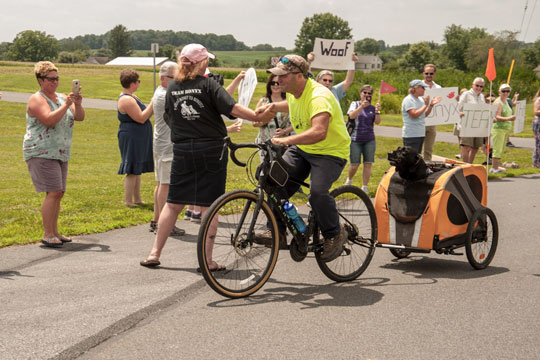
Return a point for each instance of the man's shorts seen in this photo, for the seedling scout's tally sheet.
(163, 164)
(474, 142)
(48, 175)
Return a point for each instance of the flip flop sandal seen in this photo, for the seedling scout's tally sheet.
(219, 268)
(65, 239)
(49, 242)
(150, 263)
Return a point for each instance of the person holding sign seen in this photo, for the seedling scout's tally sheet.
(536, 130)
(364, 115)
(502, 127)
(414, 109)
(326, 78)
(431, 131)
(469, 145)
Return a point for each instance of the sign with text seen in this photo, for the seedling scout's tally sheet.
(333, 54)
(478, 120)
(247, 87)
(446, 111)
(519, 123)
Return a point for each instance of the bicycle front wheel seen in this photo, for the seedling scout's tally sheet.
(357, 214)
(248, 262)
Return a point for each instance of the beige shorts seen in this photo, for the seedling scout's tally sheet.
(163, 163)
(474, 142)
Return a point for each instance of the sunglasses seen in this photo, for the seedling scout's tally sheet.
(505, 91)
(429, 73)
(286, 60)
(272, 83)
(51, 78)
(169, 76)
(327, 80)
(367, 93)
(480, 86)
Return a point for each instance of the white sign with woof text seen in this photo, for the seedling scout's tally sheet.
(519, 123)
(446, 111)
(477, 120)
(333, 54)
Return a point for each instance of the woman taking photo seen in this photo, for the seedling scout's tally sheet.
(47, 145)
(193, 108)
(134, 137)
(280, 122)
(364, 116)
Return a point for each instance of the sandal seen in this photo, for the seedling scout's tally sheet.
(64, 239)
(52, 242)
(150, 263)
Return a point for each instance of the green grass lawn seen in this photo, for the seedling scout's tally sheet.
(94, 198)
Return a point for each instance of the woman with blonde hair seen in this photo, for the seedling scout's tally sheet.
(193, 108)
(47, 145)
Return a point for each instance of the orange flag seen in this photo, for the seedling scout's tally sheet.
(386, 88)
(491, 73)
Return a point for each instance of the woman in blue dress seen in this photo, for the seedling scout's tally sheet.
(134, 137)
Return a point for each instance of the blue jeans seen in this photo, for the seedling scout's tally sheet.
(325, 170)
(414, 142)
(362, 148)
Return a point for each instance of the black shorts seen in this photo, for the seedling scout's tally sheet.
(198, 175)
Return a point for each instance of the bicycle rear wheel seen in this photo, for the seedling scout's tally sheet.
(248, 265)
(357, 214)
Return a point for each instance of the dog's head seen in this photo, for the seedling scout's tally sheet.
(409, 164)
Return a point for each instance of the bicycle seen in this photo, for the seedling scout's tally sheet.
(237, 216)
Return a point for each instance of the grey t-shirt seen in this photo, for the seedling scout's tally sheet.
(162, 133)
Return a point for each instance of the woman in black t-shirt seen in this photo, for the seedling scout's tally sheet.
(193, 108)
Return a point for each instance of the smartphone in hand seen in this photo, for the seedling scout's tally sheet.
(76, 87)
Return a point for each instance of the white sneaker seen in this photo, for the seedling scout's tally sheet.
(348, 182)
(365, 189)
(495, 171)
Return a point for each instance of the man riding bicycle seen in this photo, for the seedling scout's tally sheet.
(320, 147)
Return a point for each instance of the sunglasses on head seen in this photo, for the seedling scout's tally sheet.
(272, 83)
(286, 60)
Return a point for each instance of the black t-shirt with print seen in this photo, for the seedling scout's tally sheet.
(193, 108)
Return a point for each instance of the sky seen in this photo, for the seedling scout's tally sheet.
(276, 22)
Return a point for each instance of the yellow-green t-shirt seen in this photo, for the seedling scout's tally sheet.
(318, 99)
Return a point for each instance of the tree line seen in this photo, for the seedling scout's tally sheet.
(462, 49)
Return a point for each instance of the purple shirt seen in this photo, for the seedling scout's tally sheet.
(363, 127)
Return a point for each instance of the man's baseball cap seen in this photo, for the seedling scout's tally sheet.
(418, 83)
(196, 53)
(290, 64)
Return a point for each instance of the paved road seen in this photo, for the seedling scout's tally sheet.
(91, 300)
(385, 131)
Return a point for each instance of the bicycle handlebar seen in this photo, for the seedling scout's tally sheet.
(277, 151)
